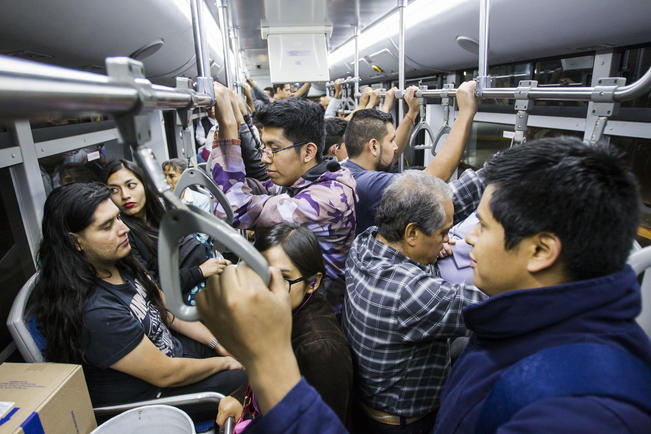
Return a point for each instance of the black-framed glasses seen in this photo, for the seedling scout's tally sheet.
(293, 281)
(270, 152)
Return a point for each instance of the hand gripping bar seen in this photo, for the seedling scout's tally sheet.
(187, 219)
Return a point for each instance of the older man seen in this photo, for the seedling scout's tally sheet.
(399, 315)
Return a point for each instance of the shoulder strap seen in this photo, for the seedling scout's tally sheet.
(578, 369)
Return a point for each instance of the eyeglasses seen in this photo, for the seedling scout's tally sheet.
(269, 152)
(291, 282)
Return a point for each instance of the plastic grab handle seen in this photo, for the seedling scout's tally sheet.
(195, 176)
(185, 220)
(434, 138)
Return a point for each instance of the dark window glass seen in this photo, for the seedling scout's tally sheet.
(16, 264)
(638, 155)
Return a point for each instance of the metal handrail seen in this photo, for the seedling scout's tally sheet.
(29, 89)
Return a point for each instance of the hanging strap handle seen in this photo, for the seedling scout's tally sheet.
(195, 176)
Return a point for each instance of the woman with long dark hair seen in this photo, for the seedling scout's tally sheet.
(142, 212)
(95, 306)
(320, 346)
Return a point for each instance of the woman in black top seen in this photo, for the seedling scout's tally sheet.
(95, 306)
(142, 212)
(320, 346)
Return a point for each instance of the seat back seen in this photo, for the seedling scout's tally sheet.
(17, 323)
(640, 261)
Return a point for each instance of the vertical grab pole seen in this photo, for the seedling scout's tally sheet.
(223, 26)
(204, 80)
(401, 68)
(235, 37)
(483, 80)
(356, 52)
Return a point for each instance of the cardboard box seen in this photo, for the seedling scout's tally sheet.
(47, 398)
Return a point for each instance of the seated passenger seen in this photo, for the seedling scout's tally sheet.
(142, 212)
(95, 306)
(399, 315)
(318, 342)
(373, 145)
(334, 139)
(303, 189)
(173, 169)
(553, 259)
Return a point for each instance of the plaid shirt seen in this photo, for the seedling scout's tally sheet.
(466, 193)
(398, 317)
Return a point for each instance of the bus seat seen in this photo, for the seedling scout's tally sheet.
(640, 261)
(29, 342)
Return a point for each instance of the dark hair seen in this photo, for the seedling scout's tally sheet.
(277, 86)
(298, 242)
(269, 89)
(412, 197)
(365, 125)
(76, 172)
(300, 119)
(67, 280)
(335, 129)
(148, 230)
(153, 207)
(583, 194)
(177, 164)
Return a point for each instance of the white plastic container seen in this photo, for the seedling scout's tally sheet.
(151, 419)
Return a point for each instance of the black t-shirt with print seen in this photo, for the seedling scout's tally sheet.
(116, 317)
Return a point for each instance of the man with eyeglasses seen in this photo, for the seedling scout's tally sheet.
(303, 188)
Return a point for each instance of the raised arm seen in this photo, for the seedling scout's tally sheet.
(407, 124)
(303, 90)
(447, 159)
(389, 99)
(374, 99)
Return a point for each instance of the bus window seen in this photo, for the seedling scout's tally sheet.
(638, 154)
(16, 264)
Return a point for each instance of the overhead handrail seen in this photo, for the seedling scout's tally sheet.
(195, 176)
(424, 125)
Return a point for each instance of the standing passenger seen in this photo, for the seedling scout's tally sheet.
(303, 189)
(556, 347)
(318, 342)
(399, 314)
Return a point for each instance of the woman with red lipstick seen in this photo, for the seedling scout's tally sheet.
(94, 305)
(142, 212)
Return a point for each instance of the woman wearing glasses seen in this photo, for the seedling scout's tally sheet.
(320, 346)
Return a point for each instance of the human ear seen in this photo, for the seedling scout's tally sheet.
(74, 240)
(310, 152)
(543, 249)
(372, 146)
(411, 234)
(314, 283)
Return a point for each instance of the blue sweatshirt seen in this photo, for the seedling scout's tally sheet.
(301, 411)
(514, 325)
